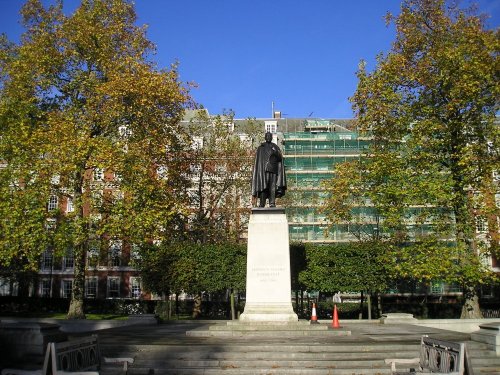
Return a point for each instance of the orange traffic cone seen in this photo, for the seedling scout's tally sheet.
(335, 321)
(314, 318)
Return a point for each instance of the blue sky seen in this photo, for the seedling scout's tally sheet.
(244, 55)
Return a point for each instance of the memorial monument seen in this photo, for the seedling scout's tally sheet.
(268, 286)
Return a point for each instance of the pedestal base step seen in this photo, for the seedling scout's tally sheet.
(269, 329)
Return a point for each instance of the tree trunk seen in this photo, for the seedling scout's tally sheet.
(197, 306)
(369, 303)
(470, 308)
(465, 233)
(379, 304)
(361, 307)
(76, 306)
(231, 297)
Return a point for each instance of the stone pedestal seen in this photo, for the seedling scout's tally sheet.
(268, 289)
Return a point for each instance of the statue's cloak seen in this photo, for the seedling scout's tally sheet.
(259, 173)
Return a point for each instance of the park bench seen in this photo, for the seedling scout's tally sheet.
(437, 357)
(79, 356)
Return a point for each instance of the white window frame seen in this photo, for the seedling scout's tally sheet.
(93, 253)
(115, 253)
(271, 126)
(53, 203)
(69, 205)
(197, 143)
(98, 174)
(68, 262)
(46, 263)
(64, 289)
(481, 224)
(111, 282)
(135, 287)
(4, 286)
(91, 282)
(45, 288)
(124, 131)
(55, 179)
(135, 253)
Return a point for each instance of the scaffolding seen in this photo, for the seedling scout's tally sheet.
(311, 157)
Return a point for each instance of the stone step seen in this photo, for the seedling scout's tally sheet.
(298, 323)
(269, 327)
(263, 363)
(248, 371)
(266, 333)
(337, 358)
(264, 348)
(486, 361)
(263, 356)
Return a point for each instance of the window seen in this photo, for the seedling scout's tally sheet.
(496, 175)
(135, 252)
(93, 253)
(55, 180)
(98, 174)
(51, 224)
(66, 288)
(162, 171)
(345, 136)
(115, 252)
(46, 260)
(69, 205)
(124, 131)
(113, 287)
(271, 126)
(4, 286)
(197, 143)
(53, 202)
(68, 260)
(45, 288)
(8, 288)
(481, 224)
(91, 287)
(135, 287)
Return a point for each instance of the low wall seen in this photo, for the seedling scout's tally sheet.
(83, 325)
(457, 325)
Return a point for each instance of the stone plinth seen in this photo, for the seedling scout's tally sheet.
(268, 289)
(397, 318)
(488, 333)
(28, 340)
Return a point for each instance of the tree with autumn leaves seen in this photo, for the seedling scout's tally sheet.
(80, 97)
(430, 108)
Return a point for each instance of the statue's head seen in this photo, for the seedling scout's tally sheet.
(268, 137)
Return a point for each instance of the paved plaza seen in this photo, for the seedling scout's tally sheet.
(179, 348)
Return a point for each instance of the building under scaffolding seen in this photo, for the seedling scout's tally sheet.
(311, 155)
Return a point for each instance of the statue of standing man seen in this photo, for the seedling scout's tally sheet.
(268, 179)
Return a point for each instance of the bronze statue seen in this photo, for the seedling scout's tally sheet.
(268, 179)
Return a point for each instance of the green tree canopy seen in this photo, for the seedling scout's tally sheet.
(356, 266)
(430, 106)
(193, 268)
(86, 116)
